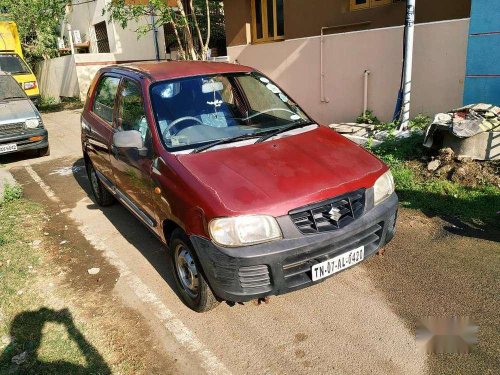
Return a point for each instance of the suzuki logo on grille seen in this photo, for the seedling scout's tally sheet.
(335, 214)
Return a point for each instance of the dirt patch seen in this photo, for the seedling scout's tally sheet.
(465, 171)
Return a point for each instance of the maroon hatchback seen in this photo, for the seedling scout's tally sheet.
(252, 197)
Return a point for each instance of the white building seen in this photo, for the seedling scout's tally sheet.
(92, 41)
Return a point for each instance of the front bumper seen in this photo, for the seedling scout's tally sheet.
(23, 142)
(247, 273)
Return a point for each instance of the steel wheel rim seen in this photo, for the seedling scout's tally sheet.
(94, 182)
(187, 272)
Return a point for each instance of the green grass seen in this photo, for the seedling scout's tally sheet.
(11, 193)
(50, 104)
(29, 323)
(434, 195)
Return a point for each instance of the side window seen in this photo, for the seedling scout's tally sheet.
(131, 114)
(104, 101)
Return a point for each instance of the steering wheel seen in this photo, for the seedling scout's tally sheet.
(180, 119)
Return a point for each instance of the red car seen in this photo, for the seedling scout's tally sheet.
(252, 197)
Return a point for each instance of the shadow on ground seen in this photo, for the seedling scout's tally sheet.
(21, 355)
(18, 156)
(131, 229)
(484, 207)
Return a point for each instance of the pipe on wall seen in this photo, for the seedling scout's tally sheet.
(408, 64)
(322, 65)
(366, 75)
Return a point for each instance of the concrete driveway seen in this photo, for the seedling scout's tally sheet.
(357, 322)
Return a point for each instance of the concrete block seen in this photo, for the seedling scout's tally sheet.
(483, 146)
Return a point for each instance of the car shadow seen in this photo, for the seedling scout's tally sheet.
(426, 201)
(26, 332)
(18, 156)
(134, 231)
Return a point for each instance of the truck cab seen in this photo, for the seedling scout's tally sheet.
(12, 60)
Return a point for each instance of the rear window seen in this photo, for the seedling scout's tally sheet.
(10, 89)
(13, 64)
(104, 101)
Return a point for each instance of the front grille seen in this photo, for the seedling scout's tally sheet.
(12, 129)
(254, 277)
(331, 214)
(297, 268)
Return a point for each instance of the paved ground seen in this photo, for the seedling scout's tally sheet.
(358, 322)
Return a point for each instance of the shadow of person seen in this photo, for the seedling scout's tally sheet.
(21, 355)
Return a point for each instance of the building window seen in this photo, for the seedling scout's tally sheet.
(366, 4)
(268, 23)
(101, 35)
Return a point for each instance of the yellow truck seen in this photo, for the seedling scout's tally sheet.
(12, 60)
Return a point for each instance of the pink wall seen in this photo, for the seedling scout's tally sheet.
(439, 69)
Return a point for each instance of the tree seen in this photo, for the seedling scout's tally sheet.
(188, 31)
(37, 22)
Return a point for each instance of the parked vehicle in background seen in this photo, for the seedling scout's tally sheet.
(252, 197)
(12, 60)
(21, 126)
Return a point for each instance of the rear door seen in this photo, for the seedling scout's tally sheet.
(132, 167)
(97, 124)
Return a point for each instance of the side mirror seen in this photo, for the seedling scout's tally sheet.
(128, 139)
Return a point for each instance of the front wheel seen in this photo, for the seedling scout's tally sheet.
(191, 284)
(102, 196)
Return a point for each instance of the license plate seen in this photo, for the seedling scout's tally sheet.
(8, 148)
(339, 263)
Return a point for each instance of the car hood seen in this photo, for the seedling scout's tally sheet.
(16, 111)
(279, 175)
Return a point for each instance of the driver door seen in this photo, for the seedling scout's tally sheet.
(132, 167)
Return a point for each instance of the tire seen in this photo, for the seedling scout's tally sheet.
(43, 151)
(191, 284)
(101, 195)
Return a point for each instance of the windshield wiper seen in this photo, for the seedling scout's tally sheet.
(283, 130)
(223, 141)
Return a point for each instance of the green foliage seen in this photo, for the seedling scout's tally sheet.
(420, 122)
(50, 104)
(368, 118)
(48, 101)
(191, 31)
(396, 150)
(11, 193)
(37, 22)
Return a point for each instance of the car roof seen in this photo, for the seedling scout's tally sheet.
(165, 70)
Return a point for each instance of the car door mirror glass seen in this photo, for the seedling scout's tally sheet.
(128, 139)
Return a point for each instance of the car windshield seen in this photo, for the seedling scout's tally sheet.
(13, 64)
(10, 89)
(196, 111)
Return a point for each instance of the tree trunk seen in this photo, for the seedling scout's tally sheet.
(182, 52)
(187, 32)
(198, 31)
(207, 43)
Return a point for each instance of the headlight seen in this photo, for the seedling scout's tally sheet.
(244, 230)
(383, 188)
(29, 85)
(32, 123)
